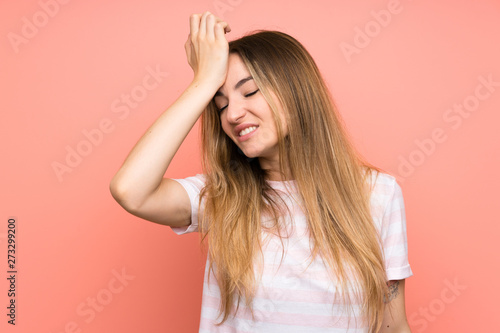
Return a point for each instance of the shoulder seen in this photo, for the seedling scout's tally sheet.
(384, 191)
(382, 183)
(196, 182)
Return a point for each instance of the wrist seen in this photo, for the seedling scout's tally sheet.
(211, 85)
(200, 92)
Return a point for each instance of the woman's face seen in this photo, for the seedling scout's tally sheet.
(245, 115)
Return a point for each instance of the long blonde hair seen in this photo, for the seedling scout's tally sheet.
(330, 176)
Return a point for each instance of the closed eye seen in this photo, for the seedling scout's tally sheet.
(252, 93)
(247, 95)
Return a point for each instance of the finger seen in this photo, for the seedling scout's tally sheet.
(194, 24)
(203, 24)
(227, 28)
(187, 45)
(211, 21)
(220, 29)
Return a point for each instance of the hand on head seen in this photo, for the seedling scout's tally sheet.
(207, 48)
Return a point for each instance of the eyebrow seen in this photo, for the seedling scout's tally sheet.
(239, 84)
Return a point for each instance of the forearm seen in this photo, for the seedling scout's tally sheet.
(395, 311)
(144, 167)
(403, 328)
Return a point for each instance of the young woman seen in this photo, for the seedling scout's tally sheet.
(303, 234)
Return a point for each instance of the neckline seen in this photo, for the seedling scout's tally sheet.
(280, 181)
(282, 184)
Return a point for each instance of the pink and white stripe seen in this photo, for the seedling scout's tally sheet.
(297, 295)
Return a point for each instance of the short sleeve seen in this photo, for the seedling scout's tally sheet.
(193, 186)
(393, 233)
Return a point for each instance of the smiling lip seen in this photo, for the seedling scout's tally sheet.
(237, 130)
(245, 136)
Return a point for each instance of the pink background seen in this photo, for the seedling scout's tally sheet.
(65, 69)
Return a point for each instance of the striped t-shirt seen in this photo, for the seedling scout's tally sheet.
(295, 295)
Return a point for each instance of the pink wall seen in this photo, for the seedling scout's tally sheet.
(399, 80)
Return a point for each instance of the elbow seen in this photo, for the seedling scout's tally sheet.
(115, 189)
(123, 195)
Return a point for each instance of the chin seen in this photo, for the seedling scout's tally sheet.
(251, 153)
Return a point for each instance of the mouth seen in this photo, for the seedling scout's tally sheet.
(247, 133)
(247, 130)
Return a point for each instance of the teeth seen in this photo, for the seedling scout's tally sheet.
(248, 130)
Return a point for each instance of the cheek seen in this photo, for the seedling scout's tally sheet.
(283, 120)
(273, 126)
(225, 126)
(285, 126)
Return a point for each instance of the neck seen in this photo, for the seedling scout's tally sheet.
(273, 169)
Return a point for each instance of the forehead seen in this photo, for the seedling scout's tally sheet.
(235, 63)
(237, 75)
(236, 70)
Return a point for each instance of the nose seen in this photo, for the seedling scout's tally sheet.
(235, 111)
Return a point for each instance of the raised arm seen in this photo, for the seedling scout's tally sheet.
(139, 186)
